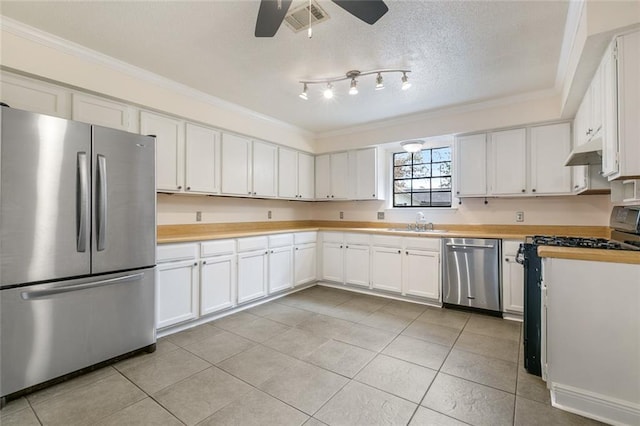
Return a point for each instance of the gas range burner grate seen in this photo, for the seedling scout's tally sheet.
(595, 243)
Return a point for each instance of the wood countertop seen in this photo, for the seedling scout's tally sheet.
(213, 231)
(597, 255)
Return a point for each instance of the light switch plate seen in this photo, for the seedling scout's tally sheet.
(269, 214)
(198, 216)
(519, 216)
(380, 215)
(341, 215)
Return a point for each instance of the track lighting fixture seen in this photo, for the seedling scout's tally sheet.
(353, 90)
(328, 92)
(353, 87)
(379, 83)
(405, 81)
(303, 95)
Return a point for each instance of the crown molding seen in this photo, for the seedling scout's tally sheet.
(435, 113)
(574, 15)
(60, 44)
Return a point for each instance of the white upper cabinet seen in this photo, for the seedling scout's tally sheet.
(332, 176)
(295, 174)
(509, 153)
(103, 112)
(550, 146)
(471, 165)
(623, 161)
(202, 156)
(235, 165)
(35, 96)
(169, 134)
(367, 170)
(264, 169)
(609, 113)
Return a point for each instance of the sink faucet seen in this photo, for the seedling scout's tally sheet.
(420, 222)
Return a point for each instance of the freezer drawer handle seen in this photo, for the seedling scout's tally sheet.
(101, 200)
(39, 294)
(82, 202)
(483, 246)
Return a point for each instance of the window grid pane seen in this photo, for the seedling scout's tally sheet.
(422, 179)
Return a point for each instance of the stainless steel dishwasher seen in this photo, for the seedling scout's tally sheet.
(471, 273)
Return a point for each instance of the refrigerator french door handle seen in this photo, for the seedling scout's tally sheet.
(101, 201)
(82, 201)
(39, 294)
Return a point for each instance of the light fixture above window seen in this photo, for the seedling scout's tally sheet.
(412, 146)
(353, 87)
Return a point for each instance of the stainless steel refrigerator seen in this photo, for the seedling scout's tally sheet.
(77, 247)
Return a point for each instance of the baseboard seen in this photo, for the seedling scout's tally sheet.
(595, 406)
(380, 293)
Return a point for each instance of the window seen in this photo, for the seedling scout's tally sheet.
(422, 179)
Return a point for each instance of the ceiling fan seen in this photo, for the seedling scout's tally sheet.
(272, 13)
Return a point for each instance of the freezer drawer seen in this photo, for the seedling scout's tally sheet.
(53, 329)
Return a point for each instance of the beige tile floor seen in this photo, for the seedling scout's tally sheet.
(320, 356)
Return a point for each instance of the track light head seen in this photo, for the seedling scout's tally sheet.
(379, 83)
(405, 81)
(328, 92)
(303, 95)
(353, 90)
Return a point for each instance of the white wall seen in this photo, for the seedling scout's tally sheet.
(590, 210)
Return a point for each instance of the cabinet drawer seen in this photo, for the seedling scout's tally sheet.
(360, 239)
(217, 248)
(332, 237)
(173, 252)
(251, 244)
(305, 237)
(510, 247)
(280, 240)
(384, 241)
(422, 243)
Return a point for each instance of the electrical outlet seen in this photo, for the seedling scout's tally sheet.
(269, 214)
(341, 215)
(198, 216)
(380, 215)
(519, 216)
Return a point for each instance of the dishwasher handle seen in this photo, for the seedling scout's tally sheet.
(482, 246)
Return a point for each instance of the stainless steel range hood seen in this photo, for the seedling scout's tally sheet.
(589, 153)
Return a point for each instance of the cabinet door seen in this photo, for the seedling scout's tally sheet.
(202, 148)
(265, 169)
(595, 123)
(176, 293)
(386, 268)
(332, 262)
(252, 275)
(509, 168)
(421, 273)
(287, 173)
(235, 154)
(340, 176)
(103, 112)
(610, 148)
(217, 284)
(550, 147)
(280, 269)
(356, 265)
(35, 96)
(512, 285)
(169, 149)
(366, 161)
(306, 176)
(304, 263)
(471, 165)
(580, 173)
(323, 176)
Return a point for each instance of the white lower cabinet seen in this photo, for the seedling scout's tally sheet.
(332, 261)
(386, 268)
(177, 284)
(421, 273)
(217, 283)
(281, 267)
(252, 275)
(304, 261)
(512, 279)
(356, 265)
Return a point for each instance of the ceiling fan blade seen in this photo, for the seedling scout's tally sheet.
(368, 11)
(270, 17)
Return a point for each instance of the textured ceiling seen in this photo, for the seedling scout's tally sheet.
(459, 52)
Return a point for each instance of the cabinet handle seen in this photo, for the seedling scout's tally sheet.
(204, 262)
(399, 251)
(340, 246)
(332, 196)
(346, 246)
(457, 192)
(297, 248)
(254, 193)
(188, 188)
(533, 190)
(271, 251)
(576, 186)
(195, 263)
(249, 192)
(179, 186)
(506, 259)
(373, 195)
(407, 253)
(523, 190)
(327, 196)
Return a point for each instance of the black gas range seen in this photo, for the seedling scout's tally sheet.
(625, 235)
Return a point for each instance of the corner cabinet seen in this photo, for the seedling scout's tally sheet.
(305, 257)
